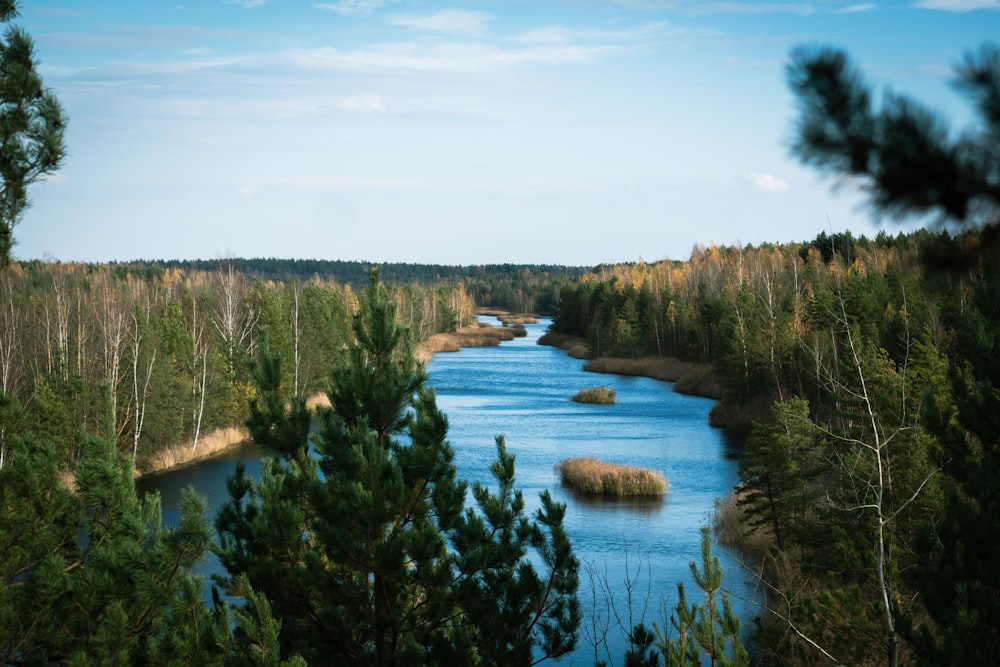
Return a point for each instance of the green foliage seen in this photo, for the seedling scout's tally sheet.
(89, 575)
(32, 125)
(708, 631)
(904, 150)
(778, 469)
(359, 536)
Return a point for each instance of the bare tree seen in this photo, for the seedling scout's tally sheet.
(233, 316)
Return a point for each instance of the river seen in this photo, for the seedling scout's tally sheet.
(523, 390)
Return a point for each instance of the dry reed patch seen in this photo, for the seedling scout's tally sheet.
(595, 477)
(481, 335)
(319, 400)
(509, 320)
(595, 395)
(733, 527)
(574, 346)
(182, 454)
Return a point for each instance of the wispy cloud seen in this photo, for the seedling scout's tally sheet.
(960, 5)
(352, 7)
(249, 4)
(558, 34)
(766, 182)
(449, 57)
(698, 7)
(362, 104)
(447, 22)
(856, 9)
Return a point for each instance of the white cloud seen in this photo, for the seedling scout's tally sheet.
(855, 9)
(352, 7)
(959, 5)
(449, 22)
(558, 34)
(362, 103)
(249, 4)
(766, 182)
(449, 57)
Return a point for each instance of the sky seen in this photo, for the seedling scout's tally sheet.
(572, 132)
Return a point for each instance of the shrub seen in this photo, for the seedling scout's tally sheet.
(593, 476)
(598, 395)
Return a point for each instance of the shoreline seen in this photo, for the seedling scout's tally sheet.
(687, 377)
(223, 439)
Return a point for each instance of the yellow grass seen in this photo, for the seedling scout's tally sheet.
(474, 336)
(734, 530)
(593, 476)
(209, 445)
(575, 346)
(598, 395)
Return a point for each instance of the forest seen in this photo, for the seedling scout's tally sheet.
(864, 378)
(172, 347)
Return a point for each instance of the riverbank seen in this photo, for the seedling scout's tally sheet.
(214, 443)
(687, 378)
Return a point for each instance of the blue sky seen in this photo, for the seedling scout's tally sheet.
(574, 132)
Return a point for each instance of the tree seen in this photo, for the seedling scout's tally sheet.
(32, 124)
(902, 151)
(776, 469)
(705, 633)
(89, 575)
(360, 537)
(913, 167)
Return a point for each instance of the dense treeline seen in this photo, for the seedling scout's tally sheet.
(869, 480)
(173, 348)
(520, 288)
(762, 315)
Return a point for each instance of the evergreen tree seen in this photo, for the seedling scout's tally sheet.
(360, 538)
(902, 150)
(777, 469)
(32, 124)
(705, 633)
(914, 167)
(88, 575)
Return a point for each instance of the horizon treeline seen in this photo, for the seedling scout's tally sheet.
(520, 288)
(173, 347)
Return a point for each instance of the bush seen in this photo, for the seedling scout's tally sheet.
(593, 476)
(598, 395)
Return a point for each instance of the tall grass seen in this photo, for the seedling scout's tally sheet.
(689, 378)
(182, 454)
(593, 476)
(734, 530)
(574, 346)
(597, 395)
(474, 336)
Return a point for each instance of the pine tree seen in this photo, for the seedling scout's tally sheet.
(914, 166)
(88, 575)
(359, 535)
(705, 633)
(32, 124)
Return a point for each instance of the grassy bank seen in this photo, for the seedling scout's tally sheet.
(688, 378)
(214, 443)
(182, 454)
(480, 335)
(595, 477)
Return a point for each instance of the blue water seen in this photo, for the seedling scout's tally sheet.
(630, 548)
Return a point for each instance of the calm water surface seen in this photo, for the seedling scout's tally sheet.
(522, 390)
